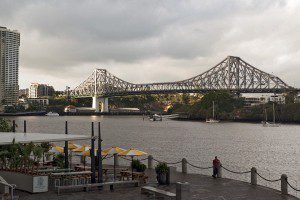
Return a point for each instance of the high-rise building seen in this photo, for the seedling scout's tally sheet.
(9, 66)
(37, 90)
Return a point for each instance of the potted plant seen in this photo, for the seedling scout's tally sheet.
(161, 173)
(138, 166)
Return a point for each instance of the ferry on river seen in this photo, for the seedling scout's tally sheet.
(52, 114)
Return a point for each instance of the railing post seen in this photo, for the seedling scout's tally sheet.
(116, 159)
(284, 185)
(219, 175)
(14, 126)
(253, 176)
(184, 165)
(182, 191)
(25, 126)
(150, 162)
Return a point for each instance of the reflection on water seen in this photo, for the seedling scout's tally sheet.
(239, 145)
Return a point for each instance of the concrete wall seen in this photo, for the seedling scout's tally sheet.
(29, 183)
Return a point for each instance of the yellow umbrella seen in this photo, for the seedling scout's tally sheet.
(82, 148)
(56, 149)
(88, 153)
(132, 152)
(72, 146)
(113, 150)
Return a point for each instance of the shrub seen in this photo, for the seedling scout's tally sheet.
(161, 168)
(4, 125)
(138, 166)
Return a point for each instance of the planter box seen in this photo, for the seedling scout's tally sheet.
(26, 182)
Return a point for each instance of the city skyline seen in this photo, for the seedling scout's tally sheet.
(151, 42)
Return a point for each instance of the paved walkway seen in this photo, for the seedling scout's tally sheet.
(202, 187)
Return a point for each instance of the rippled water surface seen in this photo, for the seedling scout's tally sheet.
(240, 146)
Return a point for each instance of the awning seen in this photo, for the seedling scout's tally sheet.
(23, 138)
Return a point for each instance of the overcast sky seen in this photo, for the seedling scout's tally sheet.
(151, 41)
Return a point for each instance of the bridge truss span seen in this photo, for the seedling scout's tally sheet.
(231, 74)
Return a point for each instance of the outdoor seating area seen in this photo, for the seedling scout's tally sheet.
(40, 162)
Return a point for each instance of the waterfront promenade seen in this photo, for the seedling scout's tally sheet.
(201, 187)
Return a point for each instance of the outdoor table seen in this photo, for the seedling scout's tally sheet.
(81, 168)
(135, 175)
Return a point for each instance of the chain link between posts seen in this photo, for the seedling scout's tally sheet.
(297, 190)
(269, 180)
(234, 172)
(198, 167)
(168, 163)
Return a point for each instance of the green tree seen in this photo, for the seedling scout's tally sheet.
(4, 125)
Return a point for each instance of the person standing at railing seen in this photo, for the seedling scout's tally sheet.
(216, 167)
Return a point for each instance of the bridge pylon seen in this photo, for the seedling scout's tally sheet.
(104, 104)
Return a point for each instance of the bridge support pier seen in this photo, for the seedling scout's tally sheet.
(104, 104)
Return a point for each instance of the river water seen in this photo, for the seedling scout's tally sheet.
(239, 146)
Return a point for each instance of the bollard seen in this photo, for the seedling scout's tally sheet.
(14, 126)
(219, 175)
(184, 166)
(116, 159)
(25, 126)
(150, 162)
(253, 176)
(284, 185)
(182, 191)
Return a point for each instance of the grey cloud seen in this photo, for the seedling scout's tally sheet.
(145, 41)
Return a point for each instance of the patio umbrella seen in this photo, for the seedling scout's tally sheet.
(88, 153)
(132, 152)
(80, 151)
(72, 146)
(82, 148)
(112, 151)
(57, 150)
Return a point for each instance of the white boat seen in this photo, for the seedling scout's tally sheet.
(155, 117)
(213, 120)
(52, 114)
(270, 124)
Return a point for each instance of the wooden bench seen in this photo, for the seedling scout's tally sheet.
(158, 192)
(86, 187)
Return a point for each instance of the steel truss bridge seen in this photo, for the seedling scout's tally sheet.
(231, 74)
